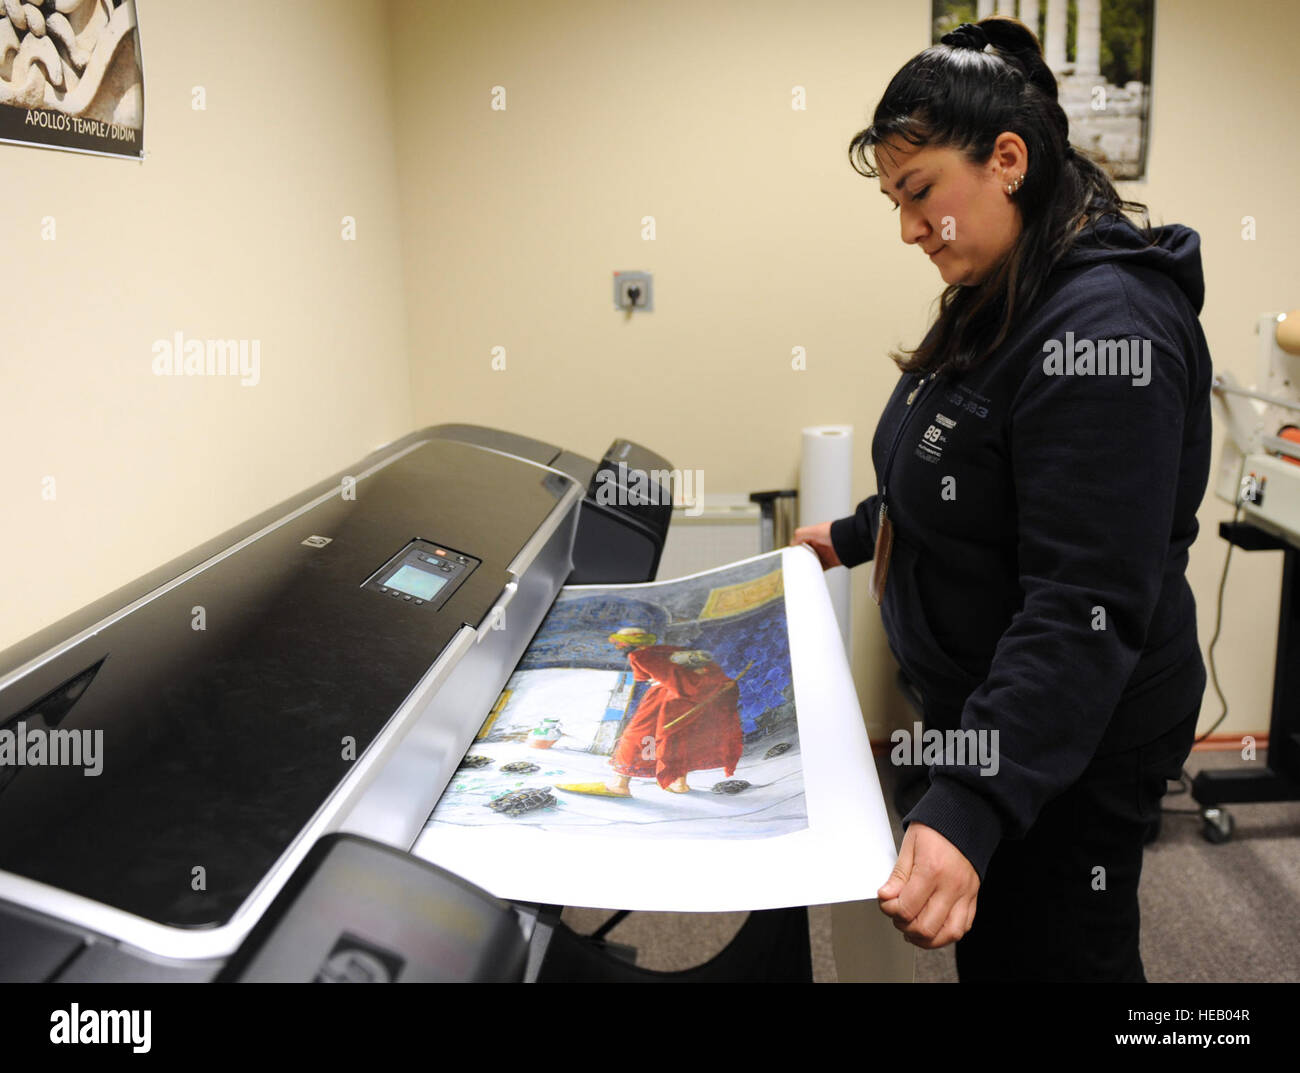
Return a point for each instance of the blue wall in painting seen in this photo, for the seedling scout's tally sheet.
(575, 634)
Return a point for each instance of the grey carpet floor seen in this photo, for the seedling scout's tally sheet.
(1227, 913)
(1210, 913)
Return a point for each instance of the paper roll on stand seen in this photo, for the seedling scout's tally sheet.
(826, 493)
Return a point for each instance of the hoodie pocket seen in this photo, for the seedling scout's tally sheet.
(907, 624)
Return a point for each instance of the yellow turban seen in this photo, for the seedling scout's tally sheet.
(632, 635)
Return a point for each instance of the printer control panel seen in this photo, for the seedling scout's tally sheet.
(422, 574)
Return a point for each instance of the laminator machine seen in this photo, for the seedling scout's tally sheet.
(274, 716)
(1259, 475)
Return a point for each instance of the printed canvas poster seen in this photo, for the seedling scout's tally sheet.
(685, 745)
(662, 713)
(71, 76)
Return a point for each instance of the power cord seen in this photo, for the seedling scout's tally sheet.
(1185, 779)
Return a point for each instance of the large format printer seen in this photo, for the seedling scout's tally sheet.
(274, 716)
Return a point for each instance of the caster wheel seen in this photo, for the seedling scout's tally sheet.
(1216, 825)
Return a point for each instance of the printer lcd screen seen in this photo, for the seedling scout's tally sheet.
(421, 584)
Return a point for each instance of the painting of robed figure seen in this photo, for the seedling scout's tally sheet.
(661, 710)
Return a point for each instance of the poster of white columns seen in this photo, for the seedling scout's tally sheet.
(1100, 52)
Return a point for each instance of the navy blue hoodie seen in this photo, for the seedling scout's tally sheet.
(1042, 514)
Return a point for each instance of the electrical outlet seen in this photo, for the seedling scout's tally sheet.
(634, 292)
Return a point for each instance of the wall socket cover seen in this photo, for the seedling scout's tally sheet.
(623, 281)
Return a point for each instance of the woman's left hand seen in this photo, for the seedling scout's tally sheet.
(818, 537)
(931, 893)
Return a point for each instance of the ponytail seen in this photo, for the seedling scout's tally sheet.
(983, 79)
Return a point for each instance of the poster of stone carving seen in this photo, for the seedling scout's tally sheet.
(674, 729)
(1100, 53)
(71, 76)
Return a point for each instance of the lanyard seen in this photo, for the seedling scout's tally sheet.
(898, 435)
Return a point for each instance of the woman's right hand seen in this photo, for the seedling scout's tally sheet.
(818, 537)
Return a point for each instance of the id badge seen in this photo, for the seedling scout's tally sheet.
(880, 557)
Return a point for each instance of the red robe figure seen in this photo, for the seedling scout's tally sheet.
(686, 721)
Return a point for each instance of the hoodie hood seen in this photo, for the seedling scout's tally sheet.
(1176, 252)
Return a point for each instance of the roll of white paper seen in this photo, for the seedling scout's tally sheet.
(826, 493)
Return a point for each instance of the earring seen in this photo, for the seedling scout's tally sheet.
(1012, 187)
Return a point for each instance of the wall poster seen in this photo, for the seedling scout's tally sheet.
(71, 76)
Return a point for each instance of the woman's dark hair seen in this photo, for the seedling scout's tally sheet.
(959, 96)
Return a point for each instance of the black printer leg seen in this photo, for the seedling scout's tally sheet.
(771, 947)
(1280, 779)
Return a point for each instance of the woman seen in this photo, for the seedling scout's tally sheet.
(1039, 467)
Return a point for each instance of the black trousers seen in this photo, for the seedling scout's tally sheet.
(1061, 904)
